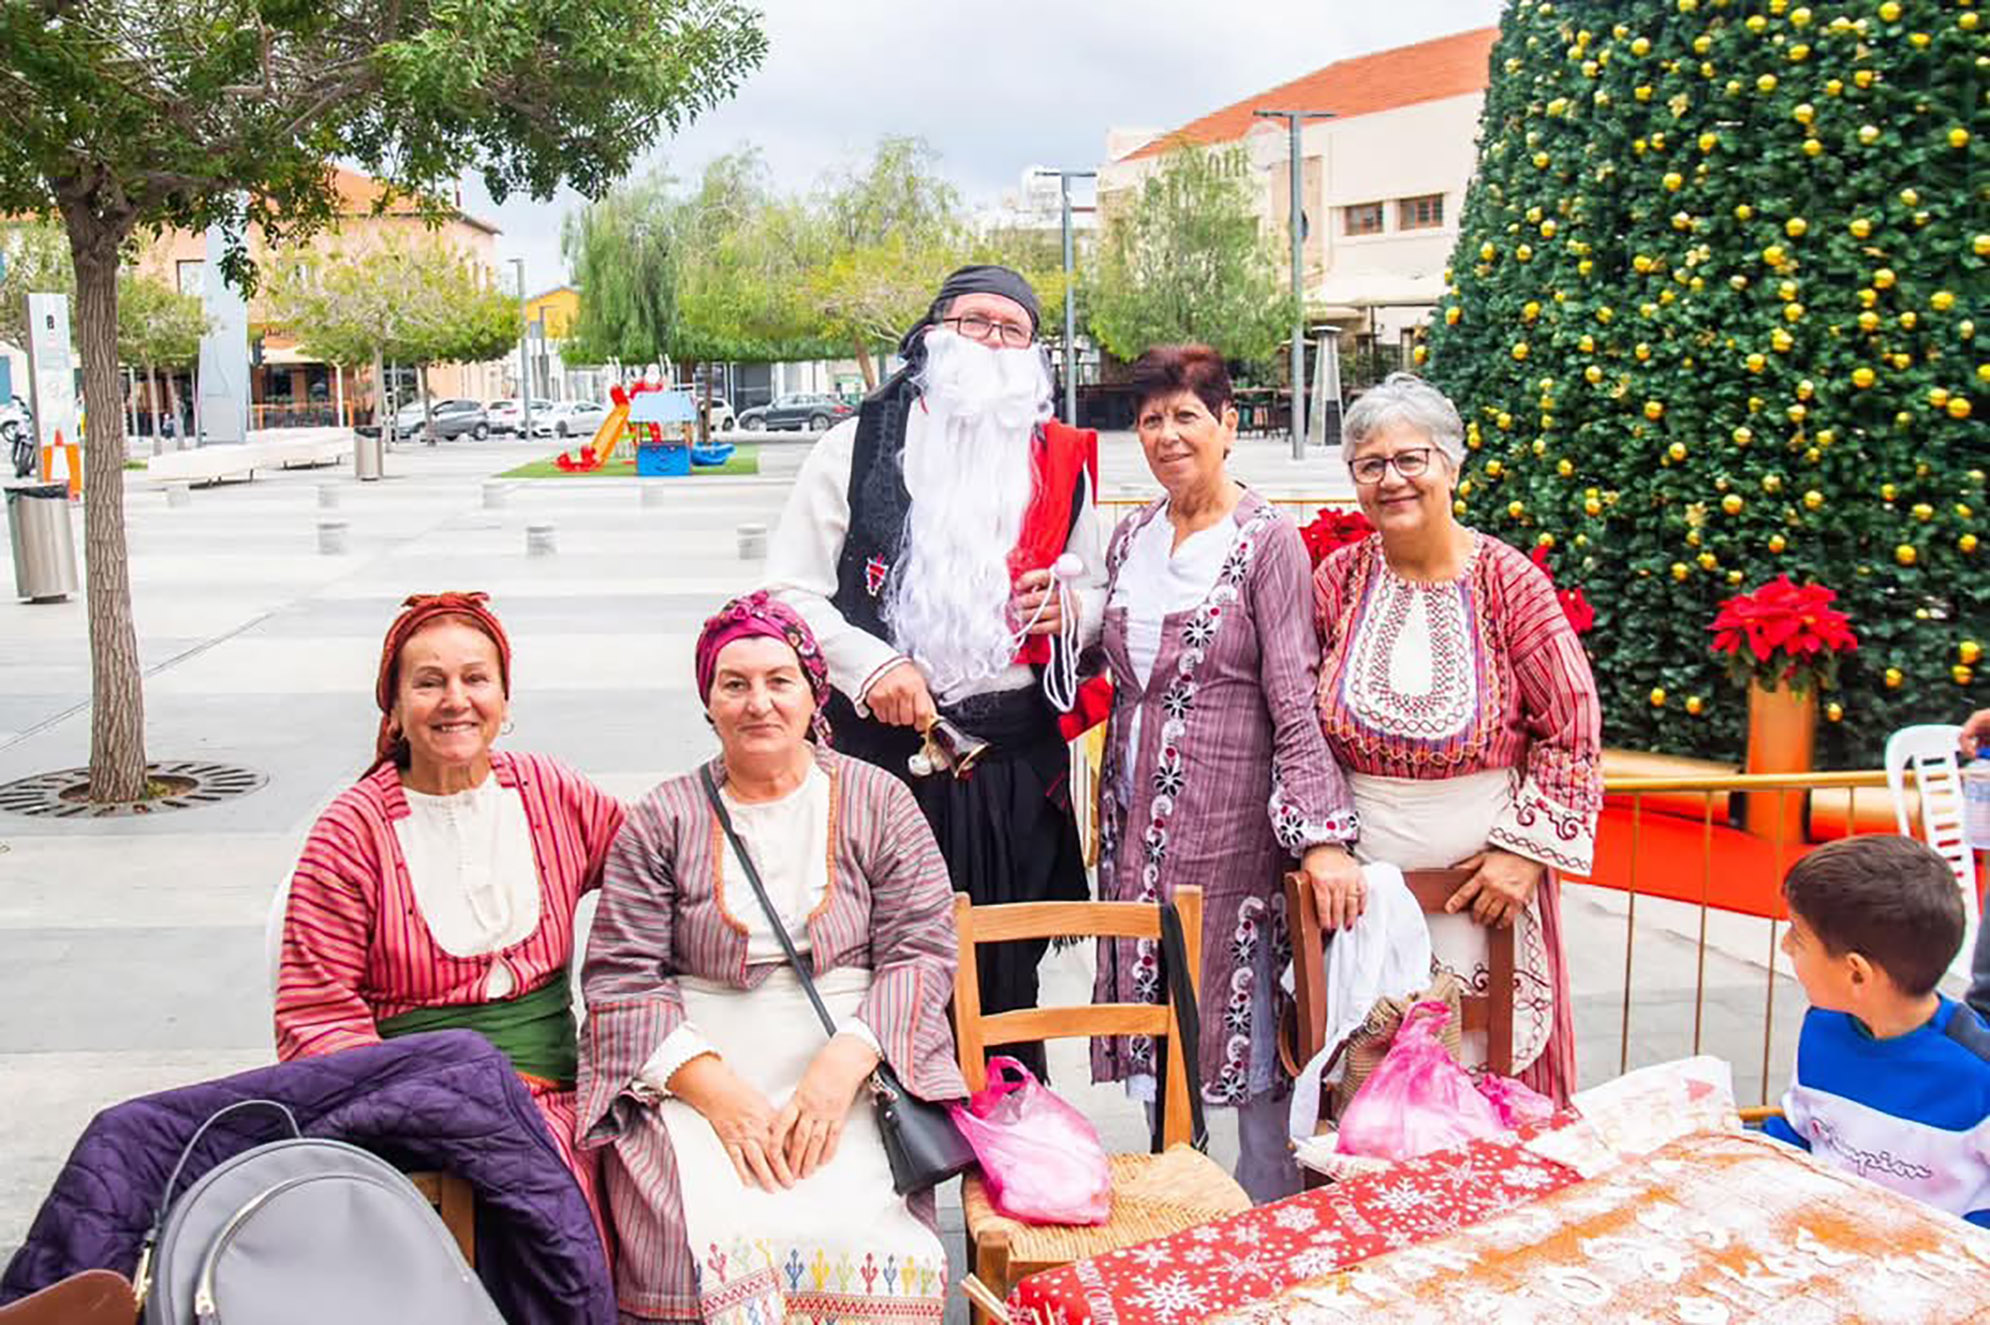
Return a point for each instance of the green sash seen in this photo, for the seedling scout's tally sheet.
(535, 1031)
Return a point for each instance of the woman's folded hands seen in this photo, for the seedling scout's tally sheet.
(774, 1148)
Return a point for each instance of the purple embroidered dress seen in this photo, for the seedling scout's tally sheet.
(1215, 775)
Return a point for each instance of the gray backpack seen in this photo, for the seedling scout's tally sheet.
(303, 1232)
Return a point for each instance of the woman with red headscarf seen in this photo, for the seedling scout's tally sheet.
(744, 1172)
(438, 891)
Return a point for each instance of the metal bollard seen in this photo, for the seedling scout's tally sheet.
(654, 494)
(494, 495)
(331, 538)
(179, 494)
(328, 497)
(752, 542)
(539, 540)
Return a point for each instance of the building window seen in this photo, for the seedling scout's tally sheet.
(1365, 219)
(1425, 213)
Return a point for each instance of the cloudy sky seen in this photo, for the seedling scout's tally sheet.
(996, 85)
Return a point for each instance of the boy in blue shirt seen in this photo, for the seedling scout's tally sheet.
(1892, 1080)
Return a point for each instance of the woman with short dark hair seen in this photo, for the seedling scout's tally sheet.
(1215, 771)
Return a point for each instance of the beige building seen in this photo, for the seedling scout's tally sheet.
(290, 387)
(1382, 182)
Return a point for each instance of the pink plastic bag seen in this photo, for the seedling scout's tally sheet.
(1515, 1103)
(1419, 1099)
(1041, 1161)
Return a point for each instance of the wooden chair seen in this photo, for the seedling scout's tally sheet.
(94, 1297)
(456, 1201)
(1491, 1012)
(1153, 1195)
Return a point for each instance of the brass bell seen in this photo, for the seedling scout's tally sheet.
(946, 746)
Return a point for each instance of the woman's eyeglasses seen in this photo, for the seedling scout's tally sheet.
(1410, 464)
(978, 328)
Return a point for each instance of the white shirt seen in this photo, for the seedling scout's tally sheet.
(1157, 579)
(475, 878)
(788, 839)
(803, 553)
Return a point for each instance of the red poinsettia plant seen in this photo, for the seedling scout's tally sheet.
(1333, 529)
(1575, 604)
(1783, 631)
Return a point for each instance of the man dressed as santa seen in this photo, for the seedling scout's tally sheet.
(944, 547)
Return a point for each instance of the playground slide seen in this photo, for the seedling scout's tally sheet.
(609, 435)
(606, 438)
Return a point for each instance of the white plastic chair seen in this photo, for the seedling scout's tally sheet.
(1929, 750)
(273, 932)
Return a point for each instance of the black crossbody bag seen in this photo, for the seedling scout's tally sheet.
(920, 1139)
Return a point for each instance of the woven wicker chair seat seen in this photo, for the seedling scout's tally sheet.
(1153, 1196)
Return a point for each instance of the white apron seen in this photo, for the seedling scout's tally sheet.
(839, 1246)
(1434, 823)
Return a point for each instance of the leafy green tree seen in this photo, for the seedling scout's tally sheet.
(37, 256)
(1188, 260)
(157, 327)
(891, 229)
(122, 116)
(420, 302)
(1713, 320)
(621, 250)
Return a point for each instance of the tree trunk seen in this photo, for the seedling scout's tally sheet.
(117, 696)
(152, 407)
(865, 365)
(705, 414)
(427, 406)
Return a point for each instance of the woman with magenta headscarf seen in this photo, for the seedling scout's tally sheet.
(744, 1171)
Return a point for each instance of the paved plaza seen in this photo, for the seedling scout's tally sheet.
(135, 955)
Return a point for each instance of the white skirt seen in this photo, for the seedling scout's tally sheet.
(841, 1245)
(1433, 824)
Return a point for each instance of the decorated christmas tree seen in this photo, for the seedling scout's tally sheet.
(1713, 318)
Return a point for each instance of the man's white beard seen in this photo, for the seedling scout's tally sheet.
(968, 472)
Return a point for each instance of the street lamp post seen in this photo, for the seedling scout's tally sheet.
(1293, 119)
(1064, 178)
(524, 357)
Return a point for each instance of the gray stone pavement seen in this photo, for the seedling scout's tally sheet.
(133, 949)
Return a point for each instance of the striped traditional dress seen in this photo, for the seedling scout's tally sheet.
(357, 951)
(668, 923)
(1466, 717)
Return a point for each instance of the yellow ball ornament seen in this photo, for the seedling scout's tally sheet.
(1862, 377)
(1966, 544)
(1969, 651)
(1959, 407)
(1906, 554)
(1520, 350)
(1732, 504)
(1658, 697)
(1813, 500)
(1777, 542)
(1834, 712)
(1941, 301)
(1680, 570)
(1894, 676)
(1961, 675)
(1883, 279)
(1515, 510)
(1958, 137)
(1695, 705)
(1889, 12)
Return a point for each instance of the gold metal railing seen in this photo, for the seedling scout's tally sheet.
(1736, 815)
(1727, 861)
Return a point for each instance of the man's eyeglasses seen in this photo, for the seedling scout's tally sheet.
(978, 328)
(1410, 464)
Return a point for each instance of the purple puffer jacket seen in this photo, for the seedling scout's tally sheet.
(446, 1100)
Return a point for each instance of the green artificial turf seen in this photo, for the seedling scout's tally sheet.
(745, 460)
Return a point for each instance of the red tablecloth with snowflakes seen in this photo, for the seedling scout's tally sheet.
(1256, 1254)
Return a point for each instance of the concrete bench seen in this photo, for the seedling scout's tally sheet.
(212, 464)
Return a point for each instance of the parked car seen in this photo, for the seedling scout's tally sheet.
(507, 416)
(570, 418)
(801, 411)
(722, 417)
(453, 418)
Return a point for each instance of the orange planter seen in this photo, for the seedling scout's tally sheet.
(1782, 734)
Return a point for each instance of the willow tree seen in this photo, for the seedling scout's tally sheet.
(125, 116)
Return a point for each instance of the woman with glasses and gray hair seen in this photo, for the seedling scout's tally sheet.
(1457, 698)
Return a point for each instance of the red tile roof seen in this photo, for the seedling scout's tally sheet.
(1428, 71)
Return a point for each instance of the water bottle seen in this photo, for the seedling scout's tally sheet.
(1976, 803)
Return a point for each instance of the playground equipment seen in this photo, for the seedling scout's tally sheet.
(660, 420)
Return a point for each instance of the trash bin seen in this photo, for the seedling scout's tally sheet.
(368, 456)
(38, 529)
